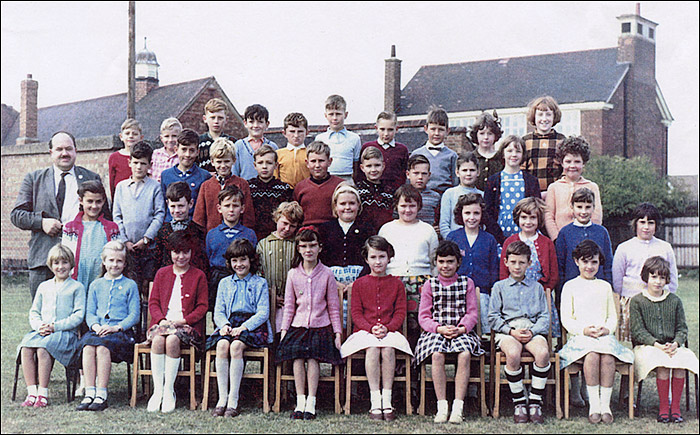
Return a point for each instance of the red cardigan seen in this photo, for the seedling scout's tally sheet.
(378, 300)
(195, 297)
(547, 255)
(315, 199)
(205, 211)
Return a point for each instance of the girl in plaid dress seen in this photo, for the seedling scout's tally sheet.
(448, 314)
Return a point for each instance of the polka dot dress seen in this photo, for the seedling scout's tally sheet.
(512, 191)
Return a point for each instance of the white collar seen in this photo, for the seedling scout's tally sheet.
(293, 148)
(578, 224)
(386, 145)
(649, 296)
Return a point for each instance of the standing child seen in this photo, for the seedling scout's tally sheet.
(178, 304)
(311, 326)
(378, 307)
(113, 309)
(344, 145)
(448, 315)
(485, 132)
(291, 159)
(241, 316)
(519, 317)
(541, 145)
(572, 153)
(478, 248)
(118, 162)
(256, 119)
(418, 242)
(394, 154)
(377, 197)
(166, 157)
(506, 188)
(214, 117)
(443, 160)
(588, 313)
(57, 311)
(205, 210)
(659, 331)
(276, 253)
(419, 177)
(266, 191)
(314, 194)
(468, 173)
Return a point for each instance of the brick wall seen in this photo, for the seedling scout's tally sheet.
(192, 118)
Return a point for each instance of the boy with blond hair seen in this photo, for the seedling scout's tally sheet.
(315, 193)
(291, 160)
(394, 154)
(166, 157)
(256, 120)
(443, 161)
(267, 191)
(215, 116)
(118, 162)
(345, 145)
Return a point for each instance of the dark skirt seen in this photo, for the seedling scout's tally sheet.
(256, 338)
(188, 335)
(309, 343)
(120, 344)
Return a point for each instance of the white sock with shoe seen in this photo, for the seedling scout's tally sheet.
(236, 373)
(222, 366)
(457, 407)
(157, 373)
(172, 366)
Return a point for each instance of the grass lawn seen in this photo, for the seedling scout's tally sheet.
(60, 417)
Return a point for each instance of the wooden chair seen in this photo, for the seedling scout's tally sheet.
(262, 355)
(72, 375)
(360, 356)
(426, 375)
(498, 359)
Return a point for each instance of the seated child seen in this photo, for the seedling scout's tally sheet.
(344, 145)
(418, 175)
(113, 310)
(178, 304)
(467, 172)
(215, 115)
(378, 307)
(541, 145)
(572, 153)
(394, 154)
(57, 311)
(377, 197)
(588, 313)
(519, 317)
(166, 157)
(266, 191)
(484, 133)
(256, 119)
(448, 315)
(118, 162)
(311, 326)
(659, 331)
(241, 316)
(291, 159)
(442, 159)
(314, 194)
(276, 253)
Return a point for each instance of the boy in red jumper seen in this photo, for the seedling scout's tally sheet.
(395, 154)
(315, 193)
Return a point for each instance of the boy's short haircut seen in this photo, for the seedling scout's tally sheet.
(263, 150)
(465, 200)
(341, 188)
(318, 147)
(448, 248)
(296, 119)
(222, 148)
(467, 157)
(511, 138)
(574, 145)
(178, 190)
(291, 210)
(584, 194)
(657, 265)
(60, 252)
(231, 192)
(141, 150)
(131, 123)
(180, 241)
(215, 105)
(256, 112)
(530, 205)
(378, 243)
(438, 115)
(418, 159)
(645, 210)
(336, 102)
(242, 248)
(92, 186)
(518, 248)
(388, 116)
(543, 103)
(188, 137)
(371, 153)
(486, 120)
(409, 193)
(170, 124)
(588, 249)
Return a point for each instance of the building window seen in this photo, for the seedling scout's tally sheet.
(570, 123)
(651, 33)
(626, 27)
(640, 29)
(513, 124)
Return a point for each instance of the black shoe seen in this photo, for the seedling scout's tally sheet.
(297, 415)
(663, 418)
(85, 404)
(309, 416)
(98, 406)
(676, 418)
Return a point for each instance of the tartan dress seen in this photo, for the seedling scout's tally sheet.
(449, 306)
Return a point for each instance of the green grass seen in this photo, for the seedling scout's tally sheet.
(120, 418)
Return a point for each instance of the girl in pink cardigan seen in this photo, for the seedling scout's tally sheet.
(311, 325)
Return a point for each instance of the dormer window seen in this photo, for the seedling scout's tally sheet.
(651, 33)
(626, 27)
(640, 29)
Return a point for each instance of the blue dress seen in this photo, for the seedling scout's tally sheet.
(512, 191)
(90, 262)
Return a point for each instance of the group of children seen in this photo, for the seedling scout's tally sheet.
(273, 240)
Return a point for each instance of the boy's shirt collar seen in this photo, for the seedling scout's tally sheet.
(331, 132)
(180, 225)
(388, 144)
(293, 148)
(434, 149)
(185, 173)
(579, 224)
(222, 179)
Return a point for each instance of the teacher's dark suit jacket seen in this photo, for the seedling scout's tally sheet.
(37, 200)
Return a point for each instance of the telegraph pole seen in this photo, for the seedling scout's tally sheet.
(131, 93)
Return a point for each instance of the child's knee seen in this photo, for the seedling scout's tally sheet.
(237, 348)
(438, 358)
(222, 348)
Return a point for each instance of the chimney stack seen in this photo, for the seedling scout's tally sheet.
(28, 113)
(392, 82)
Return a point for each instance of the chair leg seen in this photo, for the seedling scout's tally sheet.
(567, 381)
(278, 386)
(18, 363)
(557, 383)
(409, 405)
(192, 376)
(205, 383)
(639, 395)
(266, 381)
(497, 392)
(421, 405)
(630, 396)
(697, 404)
(482, 386)
(134, 380)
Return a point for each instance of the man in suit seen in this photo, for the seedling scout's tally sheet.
(47, 199)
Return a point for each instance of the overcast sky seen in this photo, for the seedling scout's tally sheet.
(291, 56)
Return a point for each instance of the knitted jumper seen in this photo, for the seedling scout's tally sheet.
(662, 321)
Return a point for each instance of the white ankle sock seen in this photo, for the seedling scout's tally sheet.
(442, 407)
(605, 393)
(386, 399)
(457, 406)
(43, 392)
(222, 366)
(100, 392)
(90, 392)
(236, 373)
(375, 400)
(301, 402)
(32, 390)
(593, 399)
(310, 404)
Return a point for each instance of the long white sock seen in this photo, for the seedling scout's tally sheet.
(236, 373)
(172, 366)
(593, 399)
(222, 366)
(301, 402)
(386, 399)
(605, 393)
(310, 404)
(375, 400)
(157, 373)
(32, 390)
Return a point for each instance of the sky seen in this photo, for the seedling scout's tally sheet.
(289, 56)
